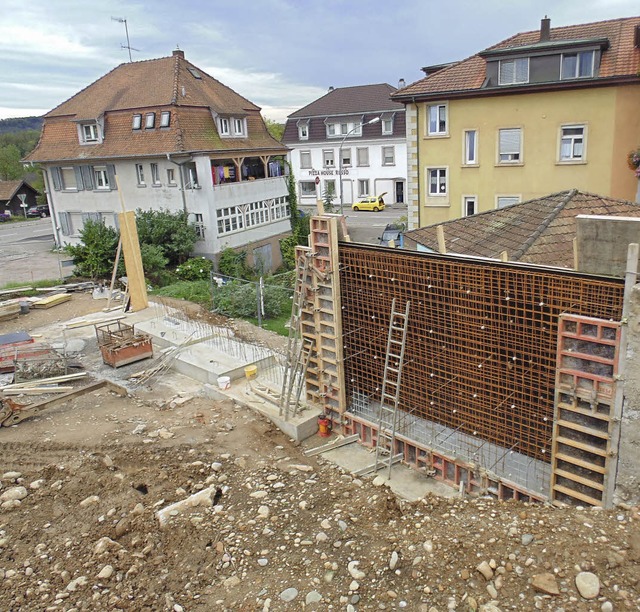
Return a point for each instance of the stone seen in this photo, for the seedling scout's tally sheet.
(354, 585)
(588, 585)
(77, 582)
(87, 501)
(13, 476)
(353, 570)
(14, 493)
(607, 606)
(393, 562)
(259, 494)
(493, 593)
(526, 539)
(262, 561)
(289, 594)
(231, 582)
(485, 569)
(122, 527)
(378, 481)
(545, 583)
(103, 545)
(106, 572)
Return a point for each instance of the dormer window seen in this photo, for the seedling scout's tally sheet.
(513, 72)
(303, 129)
(238, 127)
(387, 126)
(137, 122)
(90, 132)
(150, 121)
(577, 65)
(223, 126)
(165, 119)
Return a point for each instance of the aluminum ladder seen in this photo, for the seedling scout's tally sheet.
(390, 395)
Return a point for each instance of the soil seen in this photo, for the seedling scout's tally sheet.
(82, 484)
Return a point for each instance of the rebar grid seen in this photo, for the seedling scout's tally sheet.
(481, 343)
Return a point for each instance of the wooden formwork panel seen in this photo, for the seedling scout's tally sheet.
(585, 427)
(481, 343)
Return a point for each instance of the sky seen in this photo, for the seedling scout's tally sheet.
(280, 54)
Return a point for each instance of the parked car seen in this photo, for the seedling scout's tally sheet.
(38, 211)
(5, 217)
(370, 203)
(393, 232)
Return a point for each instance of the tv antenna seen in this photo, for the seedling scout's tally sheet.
(128, 46)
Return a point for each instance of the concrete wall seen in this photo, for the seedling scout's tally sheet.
(628, 478)
(603, 242)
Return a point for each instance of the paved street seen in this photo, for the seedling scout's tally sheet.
(367, 227)
(26, 252)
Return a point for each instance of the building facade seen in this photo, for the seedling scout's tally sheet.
(162, 134)
(350, 143)
(540, 112)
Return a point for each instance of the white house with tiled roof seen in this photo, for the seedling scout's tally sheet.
(163, 134)
(350, 142)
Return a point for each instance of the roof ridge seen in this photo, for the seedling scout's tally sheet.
(544, 225)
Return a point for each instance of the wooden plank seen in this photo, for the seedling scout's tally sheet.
(327, 447)
(579, 479)
(585, 447)
(85, 323)
(136, 284)
(42, 381)
(580, 462)
(596, 433)
(37, 390)
(596, 415)
(577, 495)
(52, 300)
(15, 290)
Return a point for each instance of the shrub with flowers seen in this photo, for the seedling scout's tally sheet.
(633, 159)
(194, 269)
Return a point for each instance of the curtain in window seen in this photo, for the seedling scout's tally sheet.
(510, 141)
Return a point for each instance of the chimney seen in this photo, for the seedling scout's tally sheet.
(401, 83)
(545, 29)
(178, 53)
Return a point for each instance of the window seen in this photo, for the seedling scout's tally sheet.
(150, 121)
(303, 131)
(140, 175)
(69, 179)
(90, 132)
(137, 122)
(305, 159)
(238, 127)
(155, 175)
(191, 176)
(165, 118)
(387, 126)
(388, 156)
(514, 71)
(362, 155)
(437, 120)
(100, 177)
(307, 188)
(572, 143)
(502, 201)
(470, 147)
(327, 158)
(171, 177)
(331, 129)
(199, 226)
(577, 65)
(346, 157)
(509, 146)
(363, 187)
(223, 126)
(437, 181)
(469, 206)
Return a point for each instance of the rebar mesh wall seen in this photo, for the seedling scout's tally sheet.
(481, 343)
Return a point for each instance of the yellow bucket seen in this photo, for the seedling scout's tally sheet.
(251, 372)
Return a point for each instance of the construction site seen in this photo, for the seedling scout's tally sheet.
(438, 432)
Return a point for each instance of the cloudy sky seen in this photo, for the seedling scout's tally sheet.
(280, 54)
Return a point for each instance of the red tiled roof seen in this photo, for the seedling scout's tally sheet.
(620, 59)
(168, 83)
(539, 231)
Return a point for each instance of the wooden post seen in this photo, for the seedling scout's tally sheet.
(575, 253)
(504, 256)
(442, 247)
(113, 274)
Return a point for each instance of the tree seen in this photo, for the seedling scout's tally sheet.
(10, 167)
(95, 254)
(170, 231)
(275, 129)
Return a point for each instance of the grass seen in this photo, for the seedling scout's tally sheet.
(192, 291)
(278, 325)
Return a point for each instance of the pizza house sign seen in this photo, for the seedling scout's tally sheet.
(329, 172)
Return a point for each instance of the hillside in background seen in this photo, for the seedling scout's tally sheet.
(20, 124)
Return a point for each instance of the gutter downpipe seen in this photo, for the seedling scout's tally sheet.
(418, 159)
(52, 208)
(184, 200)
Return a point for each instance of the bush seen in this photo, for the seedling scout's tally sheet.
(153, 261)
(197, 291)
(168, 230)
(239, 300)
(197, 268)
(234, 263)
(95, 255)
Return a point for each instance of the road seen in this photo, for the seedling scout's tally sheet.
(26, 252)
(367, 227)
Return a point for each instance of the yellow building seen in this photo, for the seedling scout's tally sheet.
(538, 113)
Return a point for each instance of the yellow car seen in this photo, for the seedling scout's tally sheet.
(370, 203)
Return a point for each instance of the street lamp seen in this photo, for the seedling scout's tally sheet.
(353, 129)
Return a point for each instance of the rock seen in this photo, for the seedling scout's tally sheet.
(36, 484)
(77, 582)
(106, 572)
(139, 429)
(312, 597)
(545, 583)
(354, 585)
(489, 607)
(588, 585)
(165, 434)
(356, 574)
(428, 546)
(263, 512)
(13, 476)
(378, 481)
(607, 606)
(14, 493)
(87, 501)
(262, 561)
(11, 504)
(103, 545)
(322, 537)
(216, 466)
(485, 569)
(493, 593)
(259, 494)
(526, 539)
(393, 562)
(231, 582)
(289, 594)
(122, 527)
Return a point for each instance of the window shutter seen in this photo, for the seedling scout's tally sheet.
(65, 223)
(79, 181)
(56, 178)
(87, 177)
(510, 141)
(111, 172)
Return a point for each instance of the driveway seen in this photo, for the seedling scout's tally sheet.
(26, 253)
